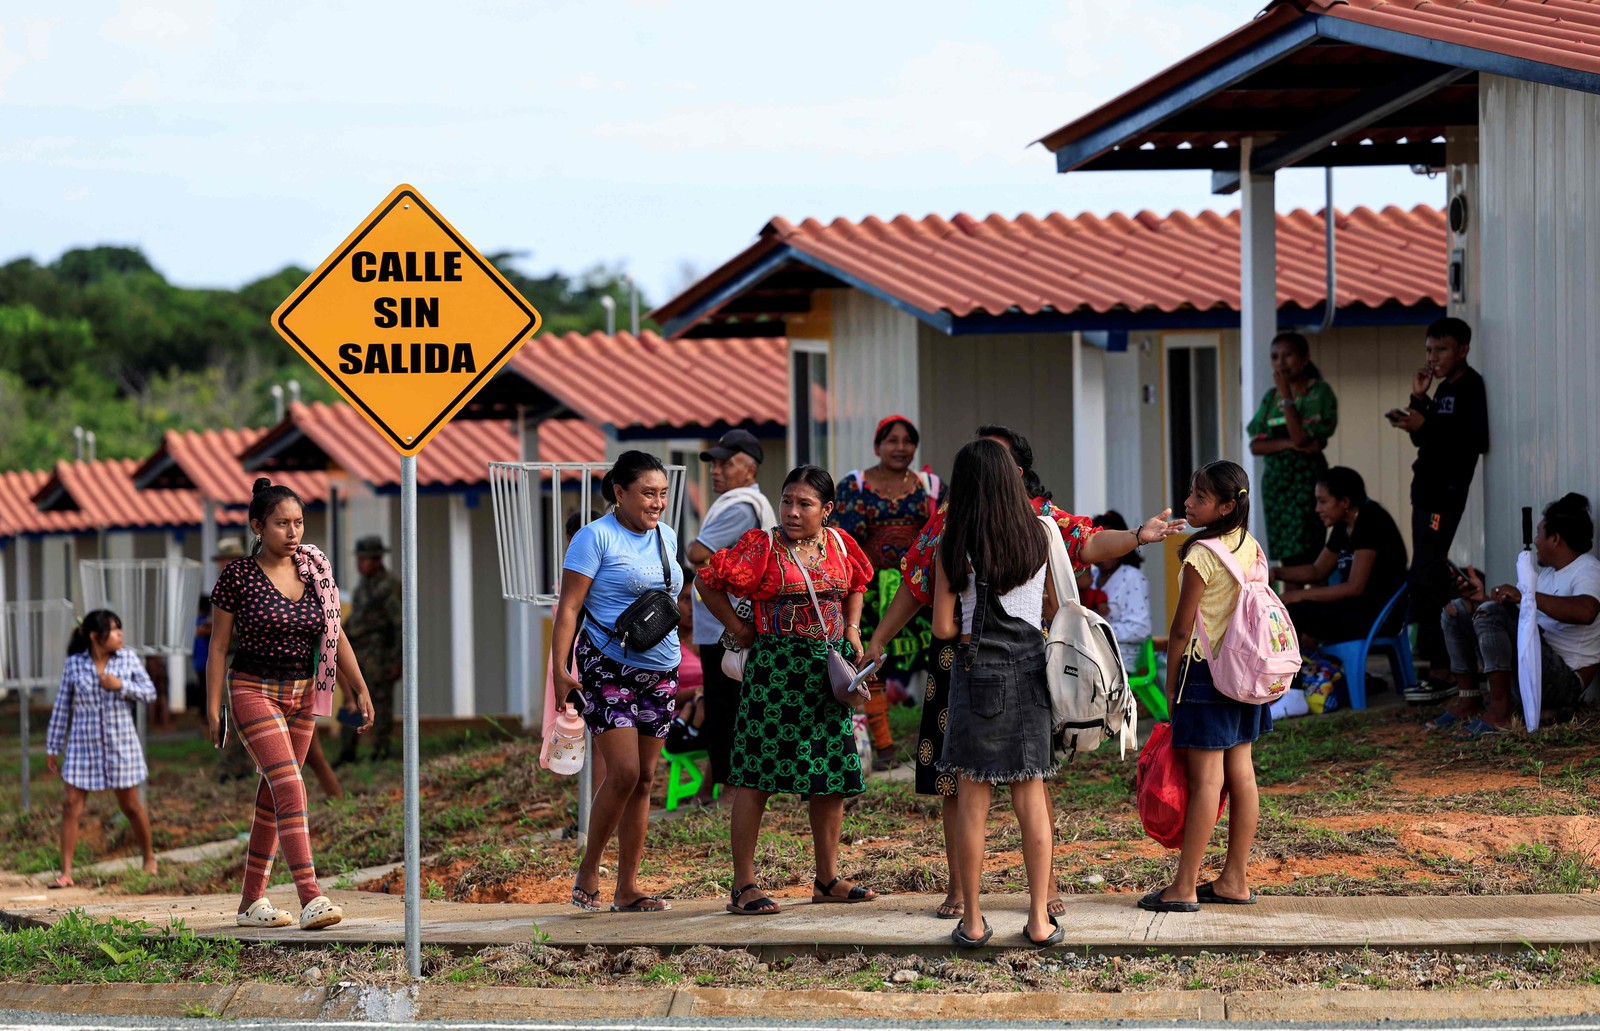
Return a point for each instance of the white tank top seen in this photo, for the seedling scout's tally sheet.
(1023, 602)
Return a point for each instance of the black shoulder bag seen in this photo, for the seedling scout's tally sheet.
(652, 616)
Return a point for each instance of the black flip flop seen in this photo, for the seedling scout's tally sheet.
(1053, 938)
(1207, 893)
(1156, 904)
(959, 936)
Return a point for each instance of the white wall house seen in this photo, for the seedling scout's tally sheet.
(1507, 108)
(1112, 344)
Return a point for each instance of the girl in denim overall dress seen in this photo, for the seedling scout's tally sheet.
(1215, 731)
(992, 560)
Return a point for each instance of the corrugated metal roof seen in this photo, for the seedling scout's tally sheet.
(103, 492)
(1564, 33)
(207, 461)
(996, 265)
(626, 382)
(457, 457)
(19, 515)
(1300, 60)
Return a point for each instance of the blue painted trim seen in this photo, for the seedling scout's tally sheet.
(155, 472)
(1125, 322)
(940, 320)
(784, 254)
(1408, 45)
(764, 430)
(728, 291)
(1219, 77)
(283, 443)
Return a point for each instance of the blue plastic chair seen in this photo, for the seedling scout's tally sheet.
(1353, 656)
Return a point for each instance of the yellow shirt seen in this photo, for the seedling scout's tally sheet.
(1222, 590)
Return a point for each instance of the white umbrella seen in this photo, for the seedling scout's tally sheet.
(1530, 671)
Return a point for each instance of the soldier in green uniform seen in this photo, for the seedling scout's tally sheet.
(373, 630)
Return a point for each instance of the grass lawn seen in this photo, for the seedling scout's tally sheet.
(1352, 803)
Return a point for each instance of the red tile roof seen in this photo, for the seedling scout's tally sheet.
(646, 383)
(457, 457)
(19, 515)
(208, 462)
(103, 492)
(1564, 33)
(995, 265)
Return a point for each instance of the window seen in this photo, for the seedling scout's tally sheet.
(1194, 409)
(808, 403)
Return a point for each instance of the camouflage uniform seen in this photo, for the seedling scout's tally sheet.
(373, 631)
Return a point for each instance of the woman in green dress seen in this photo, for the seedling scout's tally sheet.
(1291, 429)
(790, 736)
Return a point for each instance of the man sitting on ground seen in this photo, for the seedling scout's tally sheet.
(1480, 628)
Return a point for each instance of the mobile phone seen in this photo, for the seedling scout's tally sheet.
(222, 727)
(1455, 571)
(1395, 414)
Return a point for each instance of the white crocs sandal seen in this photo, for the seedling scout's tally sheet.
(319, 913)
(264, 914)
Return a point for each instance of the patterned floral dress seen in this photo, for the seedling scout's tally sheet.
(918, 568)
(1289, 482)
(886, 528)
(790, 736)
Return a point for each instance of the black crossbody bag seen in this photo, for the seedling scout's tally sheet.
(652, 616)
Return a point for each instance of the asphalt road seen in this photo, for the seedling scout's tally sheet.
(17, 1020)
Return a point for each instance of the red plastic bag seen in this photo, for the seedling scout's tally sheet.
(1163, 788)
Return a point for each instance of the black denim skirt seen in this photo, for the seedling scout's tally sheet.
(1206, 718)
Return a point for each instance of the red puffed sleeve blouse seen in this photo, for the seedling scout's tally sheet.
(760, 566)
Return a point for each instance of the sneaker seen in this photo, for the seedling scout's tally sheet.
(320, 912)
(1430, 690)
(263, 914)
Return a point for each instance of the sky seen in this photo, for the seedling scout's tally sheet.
(230, 139)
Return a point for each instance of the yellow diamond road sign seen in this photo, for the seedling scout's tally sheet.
(406, 320)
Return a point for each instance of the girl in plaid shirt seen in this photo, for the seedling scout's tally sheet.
(94, 724)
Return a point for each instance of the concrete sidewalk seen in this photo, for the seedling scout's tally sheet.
(904, 923)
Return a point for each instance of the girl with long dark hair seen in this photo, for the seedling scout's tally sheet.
(628, 695)
(790, 735)
(1215, 731)
(283, 605)
(93, 724)
(992, 560)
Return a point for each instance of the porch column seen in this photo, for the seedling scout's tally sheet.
(177, 659)
(24, 548)
(462, 673)
(208, 544)
(1088, 427)
(1258, 313)
(524, 672)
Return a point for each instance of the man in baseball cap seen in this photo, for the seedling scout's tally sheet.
(735, 442)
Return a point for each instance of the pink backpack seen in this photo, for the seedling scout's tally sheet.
(1260, 653)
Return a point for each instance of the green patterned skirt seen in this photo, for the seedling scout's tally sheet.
(909, 648)
(790, 736)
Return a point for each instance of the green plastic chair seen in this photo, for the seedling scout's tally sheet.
(683, 775)
(1147, 686)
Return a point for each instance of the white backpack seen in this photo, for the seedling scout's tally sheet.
(1090, 700)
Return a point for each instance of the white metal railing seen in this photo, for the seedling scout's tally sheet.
(157, 600)
(530, 529)
(33, 645)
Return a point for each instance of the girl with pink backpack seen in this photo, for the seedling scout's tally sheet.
(1231, 649)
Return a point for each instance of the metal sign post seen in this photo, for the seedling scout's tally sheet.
(364, 319)
(409, 736)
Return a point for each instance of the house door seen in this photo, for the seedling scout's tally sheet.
(1193, 408)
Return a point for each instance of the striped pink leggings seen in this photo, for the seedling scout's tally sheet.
(275, 725)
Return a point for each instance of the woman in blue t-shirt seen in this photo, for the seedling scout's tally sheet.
(627, 693)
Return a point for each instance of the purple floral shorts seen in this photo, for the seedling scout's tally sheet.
(616, 695)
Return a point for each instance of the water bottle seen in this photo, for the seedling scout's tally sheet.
(567, 749)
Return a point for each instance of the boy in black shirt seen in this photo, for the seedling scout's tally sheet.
(1450, 430)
